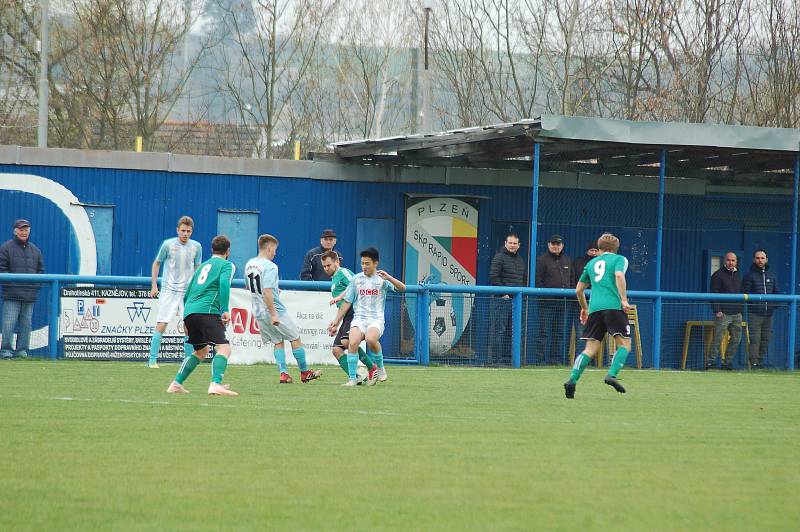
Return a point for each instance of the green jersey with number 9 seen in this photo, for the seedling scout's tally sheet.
(599, 274)
(210, 288)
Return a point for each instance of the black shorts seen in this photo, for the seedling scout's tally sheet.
(600, 322)
(344, 329)
(205, 329)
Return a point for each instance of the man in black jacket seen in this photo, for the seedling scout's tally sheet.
(19, 255)
(553, 270)
(759, 280)
(507, 269)
(312, 263)
(727, 314)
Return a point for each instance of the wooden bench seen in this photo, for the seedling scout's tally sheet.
(708, 337)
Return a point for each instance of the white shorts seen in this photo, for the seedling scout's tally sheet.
(170, 304)
(363, 325)
(287, 330)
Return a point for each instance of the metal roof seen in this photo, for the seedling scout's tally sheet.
(718, 153)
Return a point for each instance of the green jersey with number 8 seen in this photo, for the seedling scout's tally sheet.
(599, 274)
(209, 290)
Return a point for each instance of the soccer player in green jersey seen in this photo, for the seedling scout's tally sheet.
(605, 313)
(205, 311)
(340, 279)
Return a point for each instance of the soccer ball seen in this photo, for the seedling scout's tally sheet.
(361, 374)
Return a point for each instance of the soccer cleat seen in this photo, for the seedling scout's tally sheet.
(286, 379)
(382, 376)
(6, 354)
(614, 383)
(22, 354)
(219, 389)
(350, 382)
(152, 365)
(569, 389)
(310, 375)
(175, 387)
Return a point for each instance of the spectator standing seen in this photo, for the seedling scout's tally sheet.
(312, 263)
(759, 280)
(727, 314)
(507, 269)
(553, 270)
(19, 255)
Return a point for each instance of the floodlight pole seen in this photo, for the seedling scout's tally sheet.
(534, 215)
(44, 86)
(426, 76)
(662, 173)
(793, 281)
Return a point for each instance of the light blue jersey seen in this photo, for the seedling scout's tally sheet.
(179, 262)
(260, 273)
(368, 297)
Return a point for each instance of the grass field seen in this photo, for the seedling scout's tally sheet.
(100, 446)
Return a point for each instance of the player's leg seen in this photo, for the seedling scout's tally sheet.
(593, 334)
(374, 349)
(299, 353)
(197, 338)
(169, 303)
(356, 336)
(218, 366)
(339, 354)
(618, 326)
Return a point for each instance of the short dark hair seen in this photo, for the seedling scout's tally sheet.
(370, 253)
(761, 250)
(220, 244)
(514, 235)
(330, 254)
(265, 239)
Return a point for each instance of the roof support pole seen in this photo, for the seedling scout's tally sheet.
(534, 215)
(793, 286)
(662, 172)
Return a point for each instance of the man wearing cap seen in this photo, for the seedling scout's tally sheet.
(553, 270)
(19, 255)
(312, 263)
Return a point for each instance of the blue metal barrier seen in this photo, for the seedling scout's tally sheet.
(421, 337)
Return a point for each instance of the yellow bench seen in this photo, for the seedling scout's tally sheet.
(708, 337)
(633, 320)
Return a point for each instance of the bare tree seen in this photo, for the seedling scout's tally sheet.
(262, 70)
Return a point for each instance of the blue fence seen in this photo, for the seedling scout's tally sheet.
(673, 328)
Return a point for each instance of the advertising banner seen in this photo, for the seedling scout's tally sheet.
(442, 247)
(116, 323)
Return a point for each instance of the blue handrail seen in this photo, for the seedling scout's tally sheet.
(422, 352)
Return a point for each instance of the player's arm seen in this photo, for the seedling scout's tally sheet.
(619, 278)
(398, 285)
(349, 299)
(154, 269)
(269, 301)
(225, 291)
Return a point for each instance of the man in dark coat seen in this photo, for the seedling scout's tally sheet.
(19, 255)
(727, 314)
(553, 270)
(759, 280)
(507, 269)
(312, 269)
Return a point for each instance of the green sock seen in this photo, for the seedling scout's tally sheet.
(155, 345)
(366, 359)
(218, 366)
(580, 364)
(343, 363)
(619, 360)
(186, 369)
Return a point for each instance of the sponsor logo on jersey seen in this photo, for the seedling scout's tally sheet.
(368, 292)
